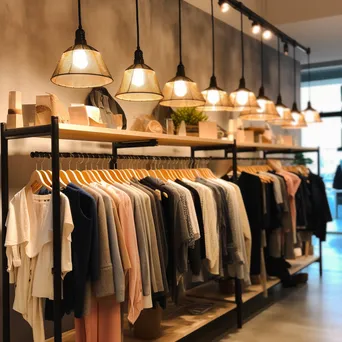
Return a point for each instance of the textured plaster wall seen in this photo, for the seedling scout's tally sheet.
(35, 33)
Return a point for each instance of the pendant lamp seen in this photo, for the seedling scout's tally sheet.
(81, 66)
(181, 91)
(298, 117)
(311, 115)
(267, 110)
(217, 99)
(139, 82)
(242, 98)
(283, 111)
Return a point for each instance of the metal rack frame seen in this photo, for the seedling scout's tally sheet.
(52, 131)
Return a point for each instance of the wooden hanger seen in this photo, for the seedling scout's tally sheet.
(36, 182)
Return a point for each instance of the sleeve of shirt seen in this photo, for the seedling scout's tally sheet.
(11, 244)
(94, 263)
(68, 227)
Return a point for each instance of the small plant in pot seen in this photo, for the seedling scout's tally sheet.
(191, 116)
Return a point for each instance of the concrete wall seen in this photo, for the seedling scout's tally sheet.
(34, 34)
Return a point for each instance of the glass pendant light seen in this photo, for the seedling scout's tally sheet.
(267, 110)
(298, 117)
(242, 98)
(181, 91)
(139, 82)
(311, 115)
(81, 66)
(283, 111)
(216, 98)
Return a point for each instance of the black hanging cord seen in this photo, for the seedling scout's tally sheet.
(79, 15)
(295, 74)
(279, 71)
(138, 55)
(242, 49)
(180, 30)
(137, 21)
(213, 34)
(309, 75)
(262, 60)
(80, 34)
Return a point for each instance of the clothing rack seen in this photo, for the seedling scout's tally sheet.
(55, 132)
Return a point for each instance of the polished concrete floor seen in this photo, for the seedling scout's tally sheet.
(311, 313)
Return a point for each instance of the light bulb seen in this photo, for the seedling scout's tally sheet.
(138, 78)
(79, 59)
(296, 118)
(180, 88)
(267, 34)
(309, 116)
(224, 7)
(242, 97)
(256, 28)
(262, 105)
(213, 97)
(280, 111)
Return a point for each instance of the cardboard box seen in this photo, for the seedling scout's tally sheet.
(207, 129)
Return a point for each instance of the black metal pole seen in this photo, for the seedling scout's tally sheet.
(320, 241)
(238, 288)
(56, 225)
(192, 152)
(113, 164)
(6, 328)
(234, 151)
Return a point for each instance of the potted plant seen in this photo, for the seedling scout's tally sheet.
(191, 116)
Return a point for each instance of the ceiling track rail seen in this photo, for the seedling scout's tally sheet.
(251, 15)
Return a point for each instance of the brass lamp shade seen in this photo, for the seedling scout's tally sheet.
(81, 66)
(298, 119)
(285, 116)
(181, 91)
(243, 99)
(265, 112)
(139, 83)
(216, 99)
(311, 115)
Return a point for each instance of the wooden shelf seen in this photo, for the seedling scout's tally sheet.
(211, 289)
(99, 134)
(77, 132)
(177, 322)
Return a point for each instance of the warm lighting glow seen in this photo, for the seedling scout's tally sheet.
(224, 7)
(311, 115)
(262, 104)
(81, 66)
(267, 34)
(256, 28)
(138, 78)
(79, 59)
(285, 116)
(280, 110)
(242, 97)
(181, 91)
(139, 84)
(180, 88)
(213, 96)
(298, 121)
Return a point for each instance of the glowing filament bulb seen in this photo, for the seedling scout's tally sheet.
(180, 88)
(280, 111)
(213, 97)
(224, 7)
(262, 105)
(138, 78)
(242, 97)
(79, 59)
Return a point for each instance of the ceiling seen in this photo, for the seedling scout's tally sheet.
(318, 26)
